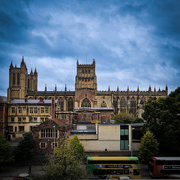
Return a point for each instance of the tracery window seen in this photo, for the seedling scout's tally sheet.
(14, 79)
(86, 103)
(70, 104)
(133, 105)
(103, 104)
(123, 105)
(18, 79)
(61, 104)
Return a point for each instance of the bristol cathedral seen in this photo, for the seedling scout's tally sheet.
(28, 107)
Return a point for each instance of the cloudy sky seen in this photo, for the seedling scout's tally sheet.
(134, 42)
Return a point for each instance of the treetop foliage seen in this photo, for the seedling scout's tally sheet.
(6, 151)
(163, 119)
(148, 147)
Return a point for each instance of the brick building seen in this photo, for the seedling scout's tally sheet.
(50, 134)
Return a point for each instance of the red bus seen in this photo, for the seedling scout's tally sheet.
(164, 167)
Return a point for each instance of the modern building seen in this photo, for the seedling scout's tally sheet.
(28, 107)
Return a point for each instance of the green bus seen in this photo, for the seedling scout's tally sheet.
(114, 167)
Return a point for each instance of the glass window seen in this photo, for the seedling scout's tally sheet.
(18, 79)
(43, 145)
(31, 110)
(42, 110)
(48, 133)
(42, 119)
(35, 119)
(86, 103)
(21, 128)
(19, 119)
(10, 128)
(24, 109)
(20, 109)
(24, 119)
(47, 110)
(12, 119)
(54, 145)
(124, 142)
(13, 109)
(35, 110)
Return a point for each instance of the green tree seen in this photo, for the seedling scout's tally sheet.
(77, 149)
(163, 119)
(124, 118)
(64, 164)
(25, 149)
(148, 147)
(6, 151)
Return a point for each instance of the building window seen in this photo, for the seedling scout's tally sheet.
(103, 104)
(12, 119)
(31, 128)
(70, 104)
(42, 110)
(35, 119)
(61, 104)
(48, 133)
(42, 119)
(63, 116)
(86, 103)
(24, 110)
(18, 79)
(31, 110)
(35, 110)
(14, 78)
(19, 119)
(47, 110)
(24, 119)
(13, 110)
(20, 110)
(43, 145)
(133, 106)
(54, 145)
(124, 133)
(10, 128)
(21, 128)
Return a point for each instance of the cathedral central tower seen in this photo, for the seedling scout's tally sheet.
(86, 76)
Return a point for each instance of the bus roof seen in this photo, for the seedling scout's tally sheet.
(167, 158)
(113, 158)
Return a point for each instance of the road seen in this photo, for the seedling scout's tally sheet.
(8, 173)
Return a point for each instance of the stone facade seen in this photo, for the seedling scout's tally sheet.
(3, 115)
(50, 134)
(85, 103)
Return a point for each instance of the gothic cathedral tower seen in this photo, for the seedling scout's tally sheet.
(20, 82)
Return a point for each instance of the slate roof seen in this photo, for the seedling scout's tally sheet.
(31, 101)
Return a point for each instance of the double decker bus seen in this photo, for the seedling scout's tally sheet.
(114, 167)
(164, 167)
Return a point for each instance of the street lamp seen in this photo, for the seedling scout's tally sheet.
(54, 136)
(131, 140)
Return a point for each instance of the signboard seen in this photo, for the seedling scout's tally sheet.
(173, 167)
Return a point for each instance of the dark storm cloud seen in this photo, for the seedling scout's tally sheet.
(133, 42)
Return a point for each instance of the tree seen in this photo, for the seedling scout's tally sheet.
(163, 119)
(66, 162)
(148, 147)
(25, 149)
(6, 151)
(124, 118)
(77, 148)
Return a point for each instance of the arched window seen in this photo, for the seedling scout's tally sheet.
(61, 104)
(86, 103)
(70, 104)
(133, 106)
(123, 105)
(14, 78)
(103, 104)
(18, 79)
(28, 83)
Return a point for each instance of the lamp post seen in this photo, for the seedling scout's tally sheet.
(131, 140)
(54, 136)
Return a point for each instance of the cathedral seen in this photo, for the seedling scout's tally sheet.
(28, 107)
